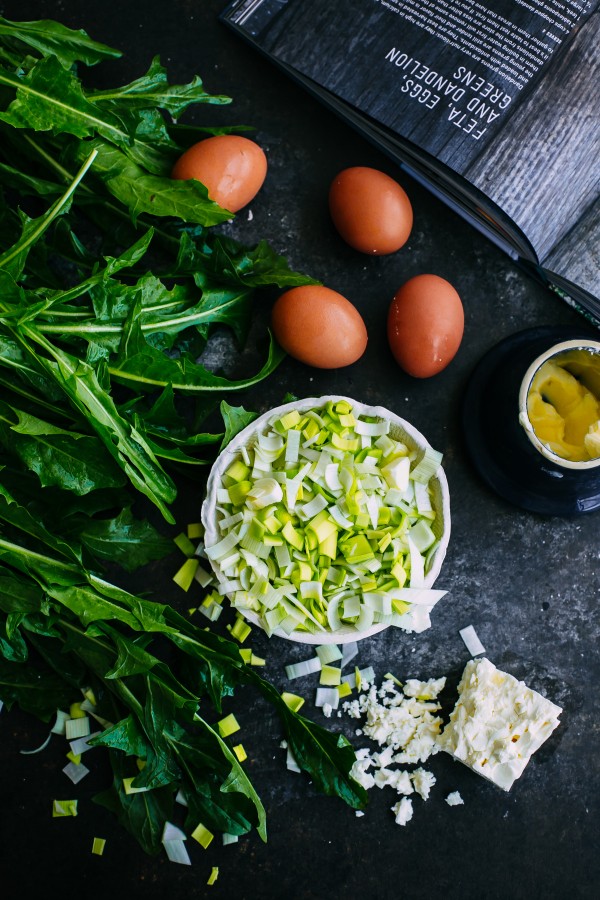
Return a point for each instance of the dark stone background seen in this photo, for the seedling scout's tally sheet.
(529, 584)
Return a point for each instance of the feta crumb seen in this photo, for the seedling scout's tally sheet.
(422, 781)
(403, 811)
(497, 723)
(359, 813)
(284, 745)
(454, 799)
(327, 710)
(424, 690)
(359, 773)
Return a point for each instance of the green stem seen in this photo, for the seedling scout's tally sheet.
(46, 220)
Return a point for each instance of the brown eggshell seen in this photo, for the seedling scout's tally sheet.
(370, 210)
(319, 327)
(425, 325)
(231, 167)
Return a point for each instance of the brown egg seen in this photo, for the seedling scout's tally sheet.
(319, 327)
(231, 167)
(425, 325)
(370, 210)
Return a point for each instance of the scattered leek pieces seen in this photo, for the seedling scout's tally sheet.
(98, 846)
(173, 841)
(76, 772)
(471, 640)
(333, 529)
(240, 752)
(202, 835)
(294, 701)
(65, 627)
(62, 808)
(134, 303)
(214, 874)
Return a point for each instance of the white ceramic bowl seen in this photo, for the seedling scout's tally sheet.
(400, 430)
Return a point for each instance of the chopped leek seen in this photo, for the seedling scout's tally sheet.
(229, 838)
(306, 667)
(240, 752)
(471, 640)
(77, 728)
(293, 701)
(185, 575)
(330, 675)
(185, 545)
(291, 763)
(240, 629)
(98, 846)
(75, 711)
(62, 808)
(328, 653)
(172, 833)
(130, 789)
(39, 749)
(327, 695)
(81, 745)
(228, 725)
(177, 853)
(202, 835)
(76, 771)
(321, 513)
(59, 725)
(214, 874)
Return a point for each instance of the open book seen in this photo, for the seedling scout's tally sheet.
(494, 105)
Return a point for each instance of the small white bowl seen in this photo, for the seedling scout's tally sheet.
(400, 430)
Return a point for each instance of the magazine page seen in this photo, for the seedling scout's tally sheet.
(451, 76)
(543, 169)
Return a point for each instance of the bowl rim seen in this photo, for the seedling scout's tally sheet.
(347, 634)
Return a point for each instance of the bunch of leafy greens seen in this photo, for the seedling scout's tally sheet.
(109, 286)
(112, 336)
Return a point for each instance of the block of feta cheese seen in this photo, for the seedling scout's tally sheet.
(497, 723)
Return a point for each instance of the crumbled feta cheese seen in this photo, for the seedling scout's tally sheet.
(497, 723)
(403, 811)
(360, 774)
(359, 813)
(424, 690)
(422, 781)
(404, 724)
(327, 710)
(454, 799)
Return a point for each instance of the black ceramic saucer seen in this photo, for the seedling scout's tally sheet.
(496, 442)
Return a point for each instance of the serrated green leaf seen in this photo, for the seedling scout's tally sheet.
(154, 90)
(72, 461)
(235, 418)
(123, 540)
(49, 37)
(141, 365)
(50, 98)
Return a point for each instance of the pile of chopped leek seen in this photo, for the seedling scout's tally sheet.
(326, 522)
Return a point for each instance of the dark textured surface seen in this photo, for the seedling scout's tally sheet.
(530, 585)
